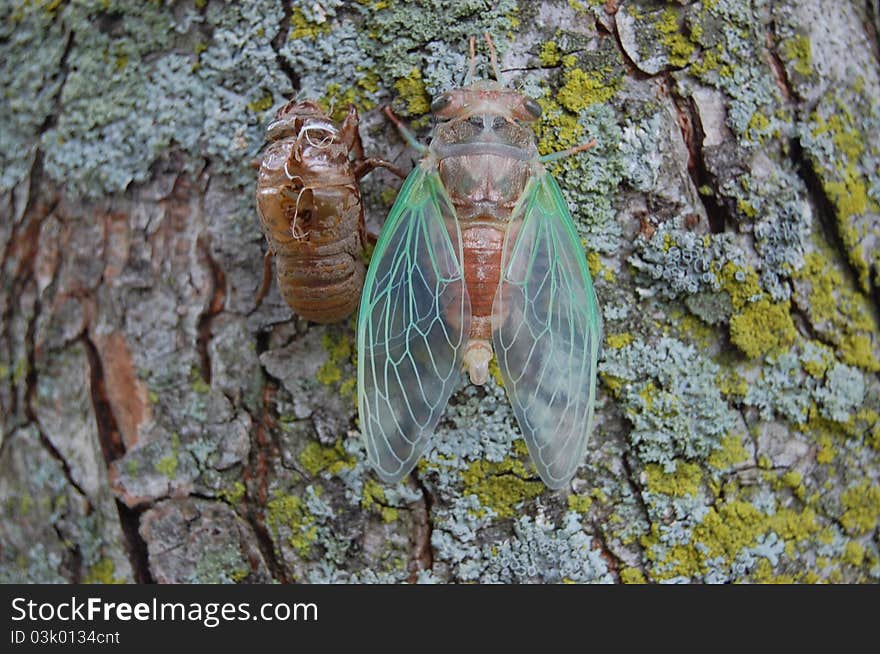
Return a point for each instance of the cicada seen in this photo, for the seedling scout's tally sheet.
(479, 255)
(310, 209)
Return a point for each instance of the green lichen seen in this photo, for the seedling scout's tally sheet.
(861, 508)
(102, 572)
(168, 465)
(337, 370)
(197, 382)
(685, 480)
(842, 314)
(679, 47)
(724, 533)
(235, 494)
(632, 576)
(288, 514)
(797, 50)
(411, 92)
(373, 499)
(730, 453)
(315, 458)
(579, 503)
(262, 104)
(583, 88)
(303, 28)
(500, 486)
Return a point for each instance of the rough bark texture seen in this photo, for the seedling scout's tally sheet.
(157, 426)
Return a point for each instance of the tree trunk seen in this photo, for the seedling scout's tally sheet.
(160, 425)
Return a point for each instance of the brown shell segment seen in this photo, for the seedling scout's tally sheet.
(310, 211)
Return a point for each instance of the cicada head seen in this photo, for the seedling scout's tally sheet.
(485, 112)
(485, 97)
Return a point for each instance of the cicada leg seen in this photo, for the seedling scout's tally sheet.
(405, 132)
(555, 156)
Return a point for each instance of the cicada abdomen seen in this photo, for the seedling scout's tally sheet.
(479, 257)
(310, 210)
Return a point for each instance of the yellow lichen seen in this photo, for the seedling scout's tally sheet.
(685, 480)
(500, 486)
(678, 45)
(167, 465)
(797, 50)
(233, 495)
(582, 88)
(103, 572)
(861, 508)
(549, 54)
(303, 28)
(339, 353)
(723, 533)
(579, 503)
(619, 341)
(632, 576)
(834, 305)
(373, 499)
(730, 452)
(763, 327)
(289, 512)
(411, 90)
(316, 458)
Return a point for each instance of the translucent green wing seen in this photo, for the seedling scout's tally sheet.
(548, 331)
(413, 323)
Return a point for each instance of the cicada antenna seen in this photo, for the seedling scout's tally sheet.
(472, 61)
(493, 58)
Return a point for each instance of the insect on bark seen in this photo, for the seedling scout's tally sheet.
(479, 254)
(310, 210)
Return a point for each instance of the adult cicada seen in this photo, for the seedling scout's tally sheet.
(311, 212)
(479, 254)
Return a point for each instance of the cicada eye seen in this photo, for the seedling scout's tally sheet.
(440, 103)
(533, 108)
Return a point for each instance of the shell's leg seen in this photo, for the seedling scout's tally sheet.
(266, 282)
(350, 135)
(365, 166)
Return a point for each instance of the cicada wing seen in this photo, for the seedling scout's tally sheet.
(412, 327)
(547, 331)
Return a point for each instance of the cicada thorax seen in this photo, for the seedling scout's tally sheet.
(484, 161)
(310, 210)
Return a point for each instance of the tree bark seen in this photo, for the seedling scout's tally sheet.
(158, 425)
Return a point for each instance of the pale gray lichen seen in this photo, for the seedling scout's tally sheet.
(668, 392)
(786, 389)
(125, 108)
(32, 47)
(675, 262)
(541, 551)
